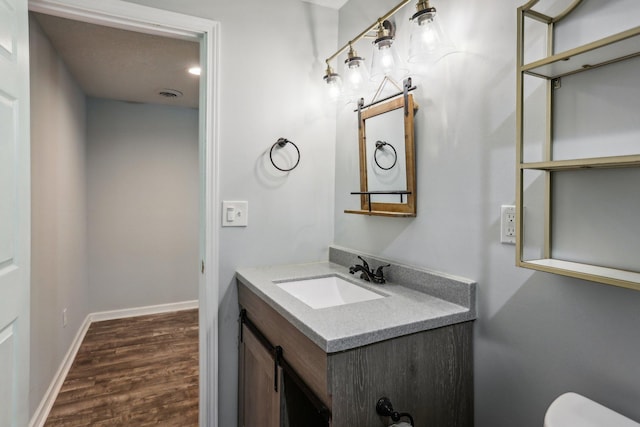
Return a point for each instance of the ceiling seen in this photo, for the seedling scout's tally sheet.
(124, 65)
(334, 4)
(129, 66)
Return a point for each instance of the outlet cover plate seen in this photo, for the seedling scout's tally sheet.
(508, 224)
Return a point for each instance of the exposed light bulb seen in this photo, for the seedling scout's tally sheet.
(355, 79)
(427, 33)
(386, 61)
(334, 91)
(195, 71)
(356, 76)
(334, 84)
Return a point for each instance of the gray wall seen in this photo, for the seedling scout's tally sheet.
(271, 62)
(58, 220)
(114, 208)
(142, 204)
(537, 335)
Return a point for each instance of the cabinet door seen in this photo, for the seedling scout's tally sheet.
(259, 402)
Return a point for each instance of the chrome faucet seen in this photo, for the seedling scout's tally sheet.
(368, 274)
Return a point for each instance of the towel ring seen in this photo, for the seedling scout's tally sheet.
(281, 142)
(380, 146)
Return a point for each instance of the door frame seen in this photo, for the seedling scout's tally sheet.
(131, 16)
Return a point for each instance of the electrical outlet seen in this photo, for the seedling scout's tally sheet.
(508, 224)
(64, 318)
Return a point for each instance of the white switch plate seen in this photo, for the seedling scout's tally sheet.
(508, 224)
(235, 214)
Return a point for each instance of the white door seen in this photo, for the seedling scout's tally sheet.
(14, 213)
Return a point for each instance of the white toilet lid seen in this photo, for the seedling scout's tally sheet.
(574, 410)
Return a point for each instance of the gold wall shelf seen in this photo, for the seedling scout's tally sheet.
(610, 276)
(609, 50)
(631, 161)
(618, 47)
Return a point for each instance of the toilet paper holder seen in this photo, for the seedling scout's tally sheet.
(385, 408)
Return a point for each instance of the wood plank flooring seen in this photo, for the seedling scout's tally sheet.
(138, 371)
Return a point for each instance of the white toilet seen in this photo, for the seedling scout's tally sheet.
(574, 410)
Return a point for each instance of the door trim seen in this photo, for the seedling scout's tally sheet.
(130, 16)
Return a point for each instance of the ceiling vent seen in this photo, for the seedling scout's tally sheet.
(170, 93)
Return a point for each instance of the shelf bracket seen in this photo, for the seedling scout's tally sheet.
(556, 83)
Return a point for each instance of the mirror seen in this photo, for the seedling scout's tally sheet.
(387, 160)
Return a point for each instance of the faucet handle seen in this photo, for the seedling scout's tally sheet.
(379, 275)
(364, 263)
(379, 269)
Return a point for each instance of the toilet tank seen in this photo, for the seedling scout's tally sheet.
(574, 410)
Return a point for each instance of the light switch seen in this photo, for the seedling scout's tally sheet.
(231, 213)
(235, 214)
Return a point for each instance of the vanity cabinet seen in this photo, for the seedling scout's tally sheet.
(428, 374)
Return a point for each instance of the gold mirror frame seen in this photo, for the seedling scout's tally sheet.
(402, 209)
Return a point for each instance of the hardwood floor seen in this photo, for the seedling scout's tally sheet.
(138, 371)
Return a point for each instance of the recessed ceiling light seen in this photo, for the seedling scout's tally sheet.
(195, 71)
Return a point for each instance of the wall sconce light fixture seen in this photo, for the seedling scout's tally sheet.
(356, 75)
(427, 42)
(334, 83)
(386, 61)
(425, 45)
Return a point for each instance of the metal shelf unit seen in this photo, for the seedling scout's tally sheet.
(612, 49)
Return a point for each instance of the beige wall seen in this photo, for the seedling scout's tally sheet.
(58, 246)
(142, 204)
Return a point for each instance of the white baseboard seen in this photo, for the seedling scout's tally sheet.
(143, 311)
(42, 412)
(40, 416)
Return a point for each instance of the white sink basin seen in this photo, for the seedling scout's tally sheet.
(330, 291)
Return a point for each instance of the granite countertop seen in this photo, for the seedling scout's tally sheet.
(404, 310)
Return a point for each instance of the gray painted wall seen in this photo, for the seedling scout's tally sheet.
(58, 220)
(114, 203)
(272, 61)
(537, 335)
(142, 204)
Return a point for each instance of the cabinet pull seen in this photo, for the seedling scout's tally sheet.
(277, 359)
